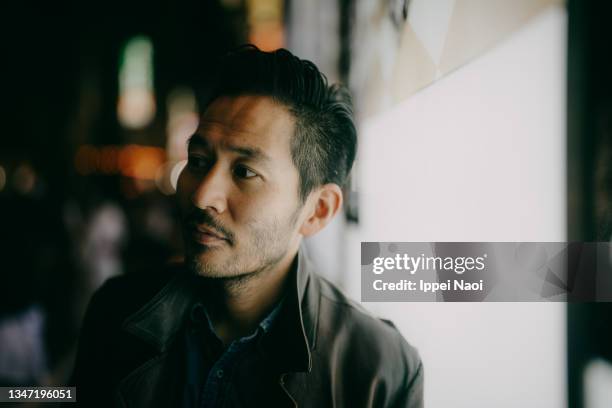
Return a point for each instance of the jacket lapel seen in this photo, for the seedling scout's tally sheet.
(158, 321)
(158, 382)
(288, 345)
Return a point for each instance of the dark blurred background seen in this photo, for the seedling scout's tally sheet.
(97, 106)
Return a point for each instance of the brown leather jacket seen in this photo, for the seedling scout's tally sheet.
(323, 351)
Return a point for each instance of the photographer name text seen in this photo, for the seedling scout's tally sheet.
(428, 287)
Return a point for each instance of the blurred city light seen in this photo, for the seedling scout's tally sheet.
(265, 19)
(140, 162)
(2, 178)
(136, 105)
(135, 161)
(176, 172)
(167, 176)
(598, 383)
(182, 122)
(24, 178)
(108, 159)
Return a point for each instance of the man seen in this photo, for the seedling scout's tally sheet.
(246, 321)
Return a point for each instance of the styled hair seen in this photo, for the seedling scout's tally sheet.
(324, 143)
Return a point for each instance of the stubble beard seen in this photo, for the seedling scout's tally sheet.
(267, 246)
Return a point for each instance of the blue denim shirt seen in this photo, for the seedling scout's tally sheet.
(212, 371)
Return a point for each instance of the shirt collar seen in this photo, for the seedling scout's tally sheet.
(199, 316)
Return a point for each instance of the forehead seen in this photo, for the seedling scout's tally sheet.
(257, 121)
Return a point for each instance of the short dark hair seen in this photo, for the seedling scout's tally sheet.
(324, 144)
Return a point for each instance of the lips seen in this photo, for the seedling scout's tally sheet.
(206, 236)
(208, 231)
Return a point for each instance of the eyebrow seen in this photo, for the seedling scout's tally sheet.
(251, 152)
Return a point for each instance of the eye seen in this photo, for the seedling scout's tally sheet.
(198, 163)
(244, 172)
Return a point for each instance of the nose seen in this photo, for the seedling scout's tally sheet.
(212, 190)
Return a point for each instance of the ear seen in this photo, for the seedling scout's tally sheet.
(327, 201)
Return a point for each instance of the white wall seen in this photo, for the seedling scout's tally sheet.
(477, 156)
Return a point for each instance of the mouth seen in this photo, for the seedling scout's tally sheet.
(206, 236)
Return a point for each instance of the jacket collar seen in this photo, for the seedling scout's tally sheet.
(293, 335)
(289, 342)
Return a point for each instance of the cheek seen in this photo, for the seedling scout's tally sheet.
(246, 209)
(272, 208)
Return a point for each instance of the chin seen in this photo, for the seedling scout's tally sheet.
(205, 269)
(213, 263)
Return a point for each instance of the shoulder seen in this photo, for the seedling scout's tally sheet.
(120, 297)
(105, 350)
(376, 343)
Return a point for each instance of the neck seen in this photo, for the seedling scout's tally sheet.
(236, 306)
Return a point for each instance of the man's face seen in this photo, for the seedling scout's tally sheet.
(238, 193)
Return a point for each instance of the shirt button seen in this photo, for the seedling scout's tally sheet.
(220, 373)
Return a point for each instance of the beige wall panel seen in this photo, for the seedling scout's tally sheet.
(477, 25)
(414, 69)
